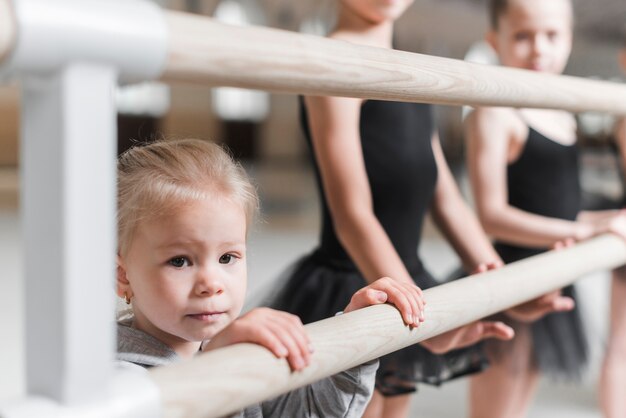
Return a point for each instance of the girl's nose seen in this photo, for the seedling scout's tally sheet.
(208, 283)
(540, 43)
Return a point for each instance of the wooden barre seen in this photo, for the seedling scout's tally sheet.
(205, 51)
(227, 380)
(202, 50)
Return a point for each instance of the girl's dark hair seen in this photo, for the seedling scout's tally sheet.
(496, 9)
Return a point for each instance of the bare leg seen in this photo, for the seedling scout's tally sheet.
(507, 387)
(613, 377)
(397, 406)
(388, 407)
(375, 407)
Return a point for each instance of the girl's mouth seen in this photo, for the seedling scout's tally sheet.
(208, 317)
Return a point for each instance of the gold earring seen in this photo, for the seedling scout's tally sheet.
(126, 299)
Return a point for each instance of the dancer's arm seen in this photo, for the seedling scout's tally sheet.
(456, 220)
(491, 134)
(334, 125)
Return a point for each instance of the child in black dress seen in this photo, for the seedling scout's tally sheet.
(524, 171)
(380, 169)
(613, 377)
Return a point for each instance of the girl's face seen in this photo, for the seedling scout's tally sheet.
(377, 11)
(534, 35)
(186, 272)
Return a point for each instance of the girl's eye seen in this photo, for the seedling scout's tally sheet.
(226, 258)
(522, 36)
(179, 262)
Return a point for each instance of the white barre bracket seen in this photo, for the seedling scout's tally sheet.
(130, 35)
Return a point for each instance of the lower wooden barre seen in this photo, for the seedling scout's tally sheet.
(227, 380)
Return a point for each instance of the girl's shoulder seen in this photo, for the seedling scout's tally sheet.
(137, 347)
(495, 122)
(558, 125)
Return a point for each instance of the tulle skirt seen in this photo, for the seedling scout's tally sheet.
(559, 343)
(317, 287)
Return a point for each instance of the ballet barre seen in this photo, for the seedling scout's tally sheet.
(224, 381)
(205, 51)
(202, 50)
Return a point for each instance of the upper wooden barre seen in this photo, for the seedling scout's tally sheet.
(202, 50)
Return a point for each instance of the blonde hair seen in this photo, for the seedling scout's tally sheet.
(154, 179)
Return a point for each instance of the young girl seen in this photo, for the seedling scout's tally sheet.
(380, 168)
(613, 376)
(183, 215)
(524, 171)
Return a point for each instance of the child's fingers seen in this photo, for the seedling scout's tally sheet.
(563, 304)
(269, 340)
(366, 297)
(564, 243)
(292, 334)
(370, 297)
(548, 298)
(481, 268)
(294, 355)
(484, 267)
(496, 264)
(402, 303)
(418, 303)
(497, 330)
(414, 300)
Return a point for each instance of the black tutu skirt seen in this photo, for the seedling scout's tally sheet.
(559, 343)
(317, 287)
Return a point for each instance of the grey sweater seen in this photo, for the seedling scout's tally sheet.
(343, 395)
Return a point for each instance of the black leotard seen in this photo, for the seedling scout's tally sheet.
(402, 174)
(544, 180)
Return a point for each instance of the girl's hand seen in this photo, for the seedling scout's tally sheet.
(468, 335)
(566, 243)
(614, 223)
(541, 306)
(483, 267)
(408, 298)
(536, 308)
(280, 332)
(617, 224)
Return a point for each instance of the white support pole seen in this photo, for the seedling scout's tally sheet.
(69, 55)
(68, 212)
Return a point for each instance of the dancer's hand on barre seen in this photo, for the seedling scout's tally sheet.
(280, 332)
(601, 222)
(408, 298)
(468, 335)
(483, 267)
(541, 306)
(615, 224)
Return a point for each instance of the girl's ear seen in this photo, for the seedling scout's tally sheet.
(122, 287)
(622, 58)
(492, 39)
